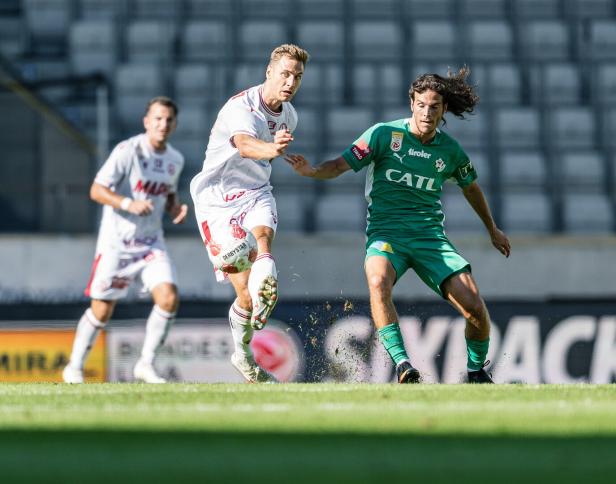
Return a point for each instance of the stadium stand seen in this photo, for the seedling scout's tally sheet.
(545, 71)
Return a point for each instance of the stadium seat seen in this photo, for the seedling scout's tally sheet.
(604, 84)
(101, 9)
(199, 84)
(608, 128)
(393, 113)
(544, 40)
(576, 9)
(602, 43)
(150, 41)
(490, 40)
(205, 40)
(378, 85)
(341, 212)
(496, 9)
(377, 40)
(47, 21)
(309, 129)
(469, 132)
(572, 127)
(459, 215)
(498, 83)
(248, 75)
(440, 9)
(257, 39)
(526, 212)
(324, 9)
(535, 9)
(209, 9)
(482, 167)
(266, 8)
(291, 206)
(584, 213)
(135, 85)
(556, 84)
(93, 47)
(191, 136)
(517, 127)
(12, 36)
(522, 170)
(433, 40)
(284, 177)
(322, 84)
(345, 125)
(323, 39)
(154, 9)
(582, 171)
(369, 9)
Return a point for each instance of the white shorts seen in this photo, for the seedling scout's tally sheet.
(114, 271)
(257, 211)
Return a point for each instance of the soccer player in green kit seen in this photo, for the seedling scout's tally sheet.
(407, 161)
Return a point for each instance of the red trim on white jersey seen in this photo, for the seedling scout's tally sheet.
(97, 259)
(264, 106)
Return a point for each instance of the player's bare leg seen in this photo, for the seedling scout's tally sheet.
(263, 279)
(162, 317)
(381, 277)
(240, 314)
(461, 290)
(92, 321)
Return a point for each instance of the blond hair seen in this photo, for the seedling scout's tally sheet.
(289, 50)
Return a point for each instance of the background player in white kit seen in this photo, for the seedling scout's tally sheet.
(136, 185)
(251, 129)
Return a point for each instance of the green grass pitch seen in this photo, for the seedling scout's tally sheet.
(307, 433)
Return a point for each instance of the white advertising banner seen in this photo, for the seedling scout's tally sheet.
(200, 351)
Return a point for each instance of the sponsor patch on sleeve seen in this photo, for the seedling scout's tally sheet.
(360, 149)
(465, 169)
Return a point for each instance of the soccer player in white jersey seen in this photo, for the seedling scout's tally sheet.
(136, 185)
(252, 128)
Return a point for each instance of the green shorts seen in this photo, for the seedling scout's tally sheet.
(433, 258)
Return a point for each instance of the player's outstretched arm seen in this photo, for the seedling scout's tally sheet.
(105, 196)
(256, 149)
(176, 210)
(327, 169)
(477, 200)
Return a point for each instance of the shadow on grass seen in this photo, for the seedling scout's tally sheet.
(114, 457)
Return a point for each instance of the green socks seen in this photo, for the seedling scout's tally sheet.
(476, 351)
(391, 338)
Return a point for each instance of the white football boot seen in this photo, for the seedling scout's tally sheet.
(249, 369)
(72, 375)
(263, 307)
(146, 373)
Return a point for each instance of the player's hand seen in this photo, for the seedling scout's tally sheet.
(141, 207)
(282, 138)
(500, 241)
(178, 213)
(300, 164)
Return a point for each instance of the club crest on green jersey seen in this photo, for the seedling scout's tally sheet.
(440, 165)
(396, 140)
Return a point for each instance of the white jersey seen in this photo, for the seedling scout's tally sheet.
(134, 169)
(226, 176)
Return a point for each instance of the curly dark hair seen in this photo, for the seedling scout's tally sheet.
(459, 96)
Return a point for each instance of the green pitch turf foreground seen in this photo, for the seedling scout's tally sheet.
(307, 433)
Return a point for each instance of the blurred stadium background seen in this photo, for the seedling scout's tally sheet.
(75, 76)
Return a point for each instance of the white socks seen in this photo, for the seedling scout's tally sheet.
(85, 336)
(156, 330)
(264, 266)
(239, 320)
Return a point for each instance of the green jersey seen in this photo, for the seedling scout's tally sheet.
(405, 177)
